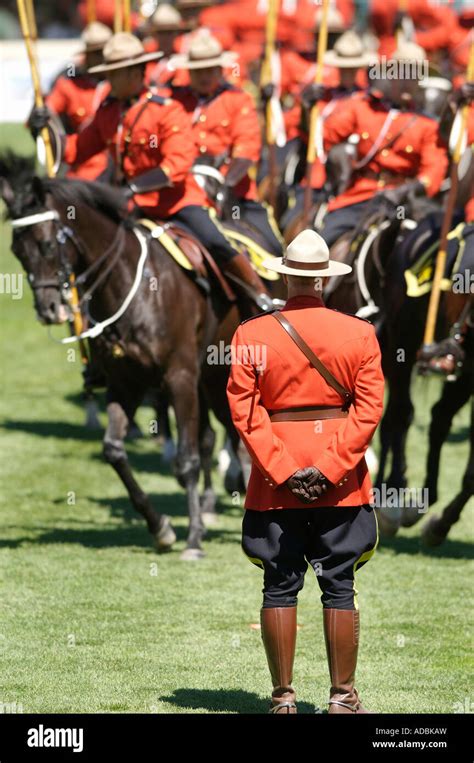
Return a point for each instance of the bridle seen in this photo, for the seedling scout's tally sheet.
(67, 283)
(65, 273)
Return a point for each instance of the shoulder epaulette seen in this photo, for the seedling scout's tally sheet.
(351, 315)
(259, 315)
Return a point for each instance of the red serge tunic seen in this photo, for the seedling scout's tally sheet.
(349, 348)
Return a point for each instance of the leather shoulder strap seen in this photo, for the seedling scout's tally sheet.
(313, 359)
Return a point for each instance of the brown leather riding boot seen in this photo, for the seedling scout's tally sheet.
(250, 282)
(279, 639)
(341, 632)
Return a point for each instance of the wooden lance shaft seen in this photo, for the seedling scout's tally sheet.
(265, 79)
(28, 29)
(118, 17)
(127, 20)
(433, 306)
(314, 114)
(91, 11)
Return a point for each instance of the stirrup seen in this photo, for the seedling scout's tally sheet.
(276, 708)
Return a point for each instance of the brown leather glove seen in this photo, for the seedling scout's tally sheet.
(308, 484)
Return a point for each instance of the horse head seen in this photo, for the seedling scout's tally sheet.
(37, 236)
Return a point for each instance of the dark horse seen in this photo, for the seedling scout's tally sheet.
(157, 322)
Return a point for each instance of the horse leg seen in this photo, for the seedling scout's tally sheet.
(91, 407)
(453, 397)
(404, 410)
(436, 529)
(164, 429)
(159, 525)
(181, 381)
(207, 439)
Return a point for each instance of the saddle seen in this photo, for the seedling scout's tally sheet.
(188, 252)
(245, 238)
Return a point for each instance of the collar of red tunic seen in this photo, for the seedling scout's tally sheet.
(304, 300)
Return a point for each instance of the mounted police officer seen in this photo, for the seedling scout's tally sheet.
(150, 140)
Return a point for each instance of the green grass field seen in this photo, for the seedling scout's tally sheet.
(94, 620)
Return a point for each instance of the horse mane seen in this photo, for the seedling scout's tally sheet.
(98, 196)
(19, 171)
(16, 169)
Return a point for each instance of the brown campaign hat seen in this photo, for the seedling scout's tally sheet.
(204, 52)
(349, 52)
(95, 36)
(123, 49)
(166, 19)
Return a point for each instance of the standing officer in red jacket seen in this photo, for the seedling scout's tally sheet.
(307, 422)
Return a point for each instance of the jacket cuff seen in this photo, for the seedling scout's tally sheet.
(332, 471)
(281, 473)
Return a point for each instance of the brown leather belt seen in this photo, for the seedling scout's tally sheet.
(307, 413)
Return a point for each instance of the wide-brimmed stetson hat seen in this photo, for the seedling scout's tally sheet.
(166, 19)
(409, 53)
(95, 36)
(204, 52)
(123, 49)
(349, 52)
(307, 255)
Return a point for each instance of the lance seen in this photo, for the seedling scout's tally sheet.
(127, 21)
(26, 16)
(266, 79)
(403, 8)
(91, 11)
(314, 114)
(118, 17)
(433, 306)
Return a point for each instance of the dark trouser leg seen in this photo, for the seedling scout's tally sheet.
(342, 220)
(199, 222)
(274, 541)
(341, 540)
(261, 218)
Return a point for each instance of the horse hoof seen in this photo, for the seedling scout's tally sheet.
(166, 536)
(410, 516)
(388, 521)
(192, 555)
(431, 535)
